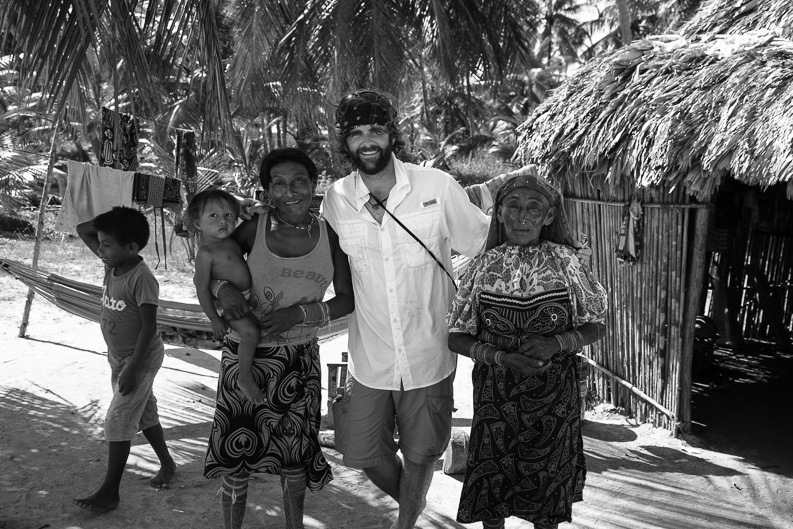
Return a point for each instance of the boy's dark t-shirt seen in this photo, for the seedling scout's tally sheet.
(122, 297)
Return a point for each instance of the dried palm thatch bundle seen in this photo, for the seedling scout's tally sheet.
(674, 111)
(735, 17)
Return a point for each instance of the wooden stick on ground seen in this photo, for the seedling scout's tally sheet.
(23, 327)
(631, 387)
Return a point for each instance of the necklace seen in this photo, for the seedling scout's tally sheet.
(377, 204)
(307, 227)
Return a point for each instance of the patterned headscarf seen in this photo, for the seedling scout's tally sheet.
(558, 231)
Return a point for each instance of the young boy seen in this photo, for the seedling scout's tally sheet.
(130, 296)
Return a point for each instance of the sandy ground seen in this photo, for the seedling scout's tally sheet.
(54, 389)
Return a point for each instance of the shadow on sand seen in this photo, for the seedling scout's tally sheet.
(56, 449)
(741, 406)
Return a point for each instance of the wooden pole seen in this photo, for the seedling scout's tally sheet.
(631, 387)
(694, 290)
(23, 327)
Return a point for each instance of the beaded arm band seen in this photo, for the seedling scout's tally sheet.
(315, 313)
(485, 353)
(215, 285)
(570, 341)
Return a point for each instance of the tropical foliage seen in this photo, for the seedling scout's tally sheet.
(249, 75)
(644, 17)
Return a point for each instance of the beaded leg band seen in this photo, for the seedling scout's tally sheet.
(234, 496)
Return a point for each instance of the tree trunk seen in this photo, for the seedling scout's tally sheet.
(625, 21)
(549, 30)
(425, 98)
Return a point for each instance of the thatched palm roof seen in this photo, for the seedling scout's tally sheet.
(736, 17)
(668, 110)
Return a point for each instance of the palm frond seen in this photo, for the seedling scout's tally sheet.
(253, 72)
(440, 32)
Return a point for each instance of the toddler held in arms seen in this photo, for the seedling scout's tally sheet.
(212, 216)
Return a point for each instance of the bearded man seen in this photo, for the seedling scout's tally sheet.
(398, 223)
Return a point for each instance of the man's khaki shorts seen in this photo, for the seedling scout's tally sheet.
(423, 417)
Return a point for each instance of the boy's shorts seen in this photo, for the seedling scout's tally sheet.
(424, 417)
(129, 414)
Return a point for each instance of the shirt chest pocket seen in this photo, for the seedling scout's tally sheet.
(352, 240)
(425, 226)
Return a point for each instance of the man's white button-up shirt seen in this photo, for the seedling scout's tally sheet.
(398, 333)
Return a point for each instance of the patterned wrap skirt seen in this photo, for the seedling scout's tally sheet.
(526, 453)
(284, 432)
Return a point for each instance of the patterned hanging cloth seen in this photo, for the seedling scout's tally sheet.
(157, 192)
(185, 170)
(125, 157)
(629, 244)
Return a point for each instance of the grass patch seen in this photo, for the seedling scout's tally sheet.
(66, 255)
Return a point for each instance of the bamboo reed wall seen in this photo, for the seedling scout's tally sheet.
(648, 303)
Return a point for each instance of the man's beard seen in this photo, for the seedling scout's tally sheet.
(376, 165)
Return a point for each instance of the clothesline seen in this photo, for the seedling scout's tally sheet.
(58, 158)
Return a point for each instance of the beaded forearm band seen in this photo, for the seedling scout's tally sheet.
(325, 314)
(485, 353)
(570, 341)
(316, 313)
(215, 285)
(579, 340)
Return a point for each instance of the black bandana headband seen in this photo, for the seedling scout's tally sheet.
(363, 113)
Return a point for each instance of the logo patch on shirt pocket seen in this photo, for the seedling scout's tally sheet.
(429, 203)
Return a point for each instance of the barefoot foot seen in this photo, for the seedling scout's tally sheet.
(98, 502)
(163, 477)
(251, 391)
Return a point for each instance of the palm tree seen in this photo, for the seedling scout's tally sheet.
(336, 46)
(644, 17)
(145, 47)
(563, 33)
(219, 66)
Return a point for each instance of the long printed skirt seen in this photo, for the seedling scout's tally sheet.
(526, 454)
(264, 438)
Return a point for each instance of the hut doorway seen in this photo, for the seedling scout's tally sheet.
(750, 251)
(743, 386)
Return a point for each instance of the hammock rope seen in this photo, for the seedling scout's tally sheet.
(187, 320)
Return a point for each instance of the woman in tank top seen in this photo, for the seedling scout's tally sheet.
(293, 256)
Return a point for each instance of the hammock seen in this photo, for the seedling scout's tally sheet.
(180, 323)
